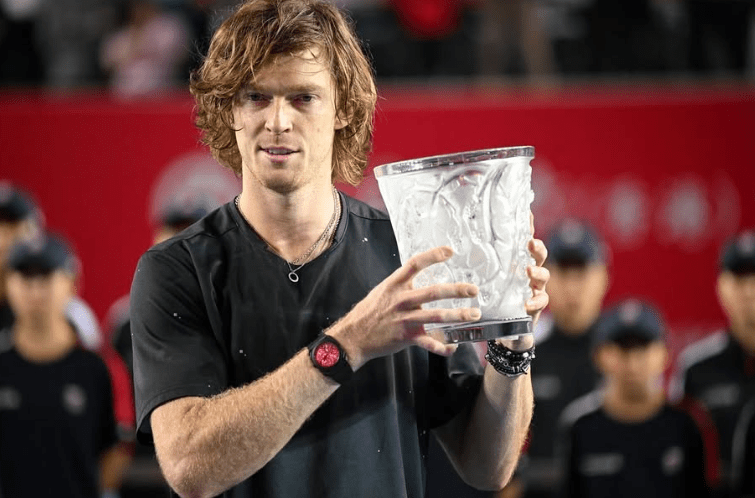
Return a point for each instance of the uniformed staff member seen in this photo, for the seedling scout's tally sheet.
(279, 347)
(577, 260)
(626, 440)
(57, 425)
(720, 369)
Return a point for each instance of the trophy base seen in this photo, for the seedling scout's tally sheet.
(482, 331)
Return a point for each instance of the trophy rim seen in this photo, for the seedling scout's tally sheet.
(453, 159)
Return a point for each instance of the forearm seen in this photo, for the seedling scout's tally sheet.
(213, 444)
(485, 445)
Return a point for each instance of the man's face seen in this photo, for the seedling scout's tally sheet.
(576, 295)
(636, 371)
(39, 296)
(736, 293)
(286, 121)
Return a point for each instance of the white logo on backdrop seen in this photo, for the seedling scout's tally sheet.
(686, 210)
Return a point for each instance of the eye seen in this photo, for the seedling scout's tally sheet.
(256, 97)
(305, 98)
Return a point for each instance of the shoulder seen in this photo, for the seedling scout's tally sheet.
(207, 236)
(363, 210)
(582, 410)
(704, 350)
(696, 357)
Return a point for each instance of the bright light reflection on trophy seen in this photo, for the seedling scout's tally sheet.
(478, 203)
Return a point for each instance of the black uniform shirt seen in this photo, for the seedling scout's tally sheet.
(213, 308)
(56, 419)
(719, 373)
(661, 457)
(562, 372)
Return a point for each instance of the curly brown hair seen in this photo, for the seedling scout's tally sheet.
(253, 36)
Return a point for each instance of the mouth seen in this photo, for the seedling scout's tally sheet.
(277, 152)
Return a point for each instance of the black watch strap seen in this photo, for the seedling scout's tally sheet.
(329, 357)
(508, 362)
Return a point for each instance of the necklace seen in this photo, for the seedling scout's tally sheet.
(302, 260)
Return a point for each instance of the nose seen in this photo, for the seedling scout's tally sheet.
(278, 119)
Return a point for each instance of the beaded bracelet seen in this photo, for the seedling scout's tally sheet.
(509, 363)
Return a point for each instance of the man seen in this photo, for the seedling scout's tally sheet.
(235, 382)
(17, 221)
(626, 440)
(57, 427)
(720, 369)
(565, 370)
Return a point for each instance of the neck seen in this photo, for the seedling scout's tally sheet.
(292, 222)
(635, 407)
(42, 340)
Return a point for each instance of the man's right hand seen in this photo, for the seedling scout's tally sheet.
(391, 317)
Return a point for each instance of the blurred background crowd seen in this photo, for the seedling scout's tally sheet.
(643, 193)
(138, 47)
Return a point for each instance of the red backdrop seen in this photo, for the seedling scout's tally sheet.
(666, 173)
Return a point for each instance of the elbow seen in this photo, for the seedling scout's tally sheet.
(183, 478)
(489, 481)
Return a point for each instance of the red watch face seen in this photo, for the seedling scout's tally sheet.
(327, 354)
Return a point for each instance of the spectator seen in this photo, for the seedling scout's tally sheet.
(57, 427)
(577, 260)
(513, 39)
(145, 56)
(720, 369)
(627, 440)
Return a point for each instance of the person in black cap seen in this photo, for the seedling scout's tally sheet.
(625, 439)
(719, 370)
(565, 371)
(57, 425)
(17, 221)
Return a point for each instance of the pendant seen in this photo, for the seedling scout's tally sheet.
(292, 276)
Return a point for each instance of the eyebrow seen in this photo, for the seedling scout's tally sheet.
(287, 89)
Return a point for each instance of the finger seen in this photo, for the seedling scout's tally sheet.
(532, 224)
(537, 303)
(538, 251)
(539, 276)
(435, 346)
(420, 261)
(418, 297)
(441, 315)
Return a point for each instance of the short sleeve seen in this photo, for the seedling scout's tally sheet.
(175, 351)
(453, 384)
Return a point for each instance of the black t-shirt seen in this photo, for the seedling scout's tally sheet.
(563, 372)
(213, 309)
(719, 373)
(56, 419)
(662, 457)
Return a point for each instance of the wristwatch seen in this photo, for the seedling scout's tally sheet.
(328, 357)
